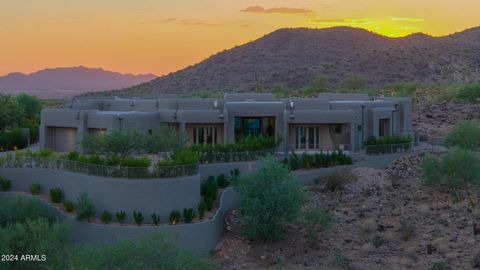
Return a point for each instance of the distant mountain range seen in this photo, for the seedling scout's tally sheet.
(294, 57)
(68, 81)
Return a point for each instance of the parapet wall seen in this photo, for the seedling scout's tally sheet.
(159, 196)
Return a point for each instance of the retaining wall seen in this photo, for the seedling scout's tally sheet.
(149, 196)
(224, 168)
(200, 237)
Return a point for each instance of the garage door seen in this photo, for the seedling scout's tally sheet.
(65, 139)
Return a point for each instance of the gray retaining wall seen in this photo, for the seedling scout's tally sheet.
(224, 168)
(149, 196)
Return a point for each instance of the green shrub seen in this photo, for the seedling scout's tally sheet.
(455, 169)
(12, 139)
(138, 217)
(43, 153)
(465, 135)
(440, 265)
(378, 240)
(340, 260)
(211, 188)
(222, 181)
(68, 206)
(270, 199)
(209, 203)
(388, 140)
(73, 155)
(316, 220)
(5, 184)
(174, 217)
(407, 229)
(188, 215)
(317, 160)
(35, 236)
(121, 215)
(234, 176)
(336, 180)
(56, 195)
(141, 162)
(17, 209)
(470, 93)
(106, 217)
(85, 208)
(155, 219)
(201, 209)
(35, 188)
(155, 251)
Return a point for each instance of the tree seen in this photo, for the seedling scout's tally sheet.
(271, 198)
(30, 104)
(114, 143)
(470, 93)
(317, 85)
(465, 135)
(354, 83)
(11, 112)
(163, 139)
(455, 169)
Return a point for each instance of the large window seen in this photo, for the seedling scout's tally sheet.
(205, 135)
(307, 137)
(254, 126)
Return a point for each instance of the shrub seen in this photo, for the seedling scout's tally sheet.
(174, 217)
(440, 265)
(378, 240)
(155, 219)
(43, 153)
(35, 236)
(234, 176)
(222, 181)
(340, 260)
(106, 217)
(211, 188)
(336, 180)
(17, 209)
(470, 93)
(209, 203)
(464, 135)
(68, 206)
(56, 195)
(155, 251)
(142, 162)
(35, 188)
(455, 169)
(316, 221)
(73, 155)
(317, 160)
(85, 208)
(5, 184)
(407, 229)
(138, 217)
(188, 215)
(121, 215)
(270, 199)
(201, 209)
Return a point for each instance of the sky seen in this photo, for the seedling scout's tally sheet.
(162, 36)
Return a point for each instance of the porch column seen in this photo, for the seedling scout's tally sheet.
(352, 137)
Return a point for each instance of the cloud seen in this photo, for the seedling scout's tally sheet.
(341, 22)
(278, 10)
(403, 19)
(186, 22)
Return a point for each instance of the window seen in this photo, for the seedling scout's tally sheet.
(307, 137)
(359, 128)
(254, 126)
(205, 135)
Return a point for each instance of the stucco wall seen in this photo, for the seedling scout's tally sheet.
(149, 196)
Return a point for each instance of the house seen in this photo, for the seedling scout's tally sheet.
(328, 122)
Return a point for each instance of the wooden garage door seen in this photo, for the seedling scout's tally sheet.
(65, 139)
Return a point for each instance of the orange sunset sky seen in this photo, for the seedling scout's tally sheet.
(147, 36)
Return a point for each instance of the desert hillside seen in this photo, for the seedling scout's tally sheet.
(292, 58)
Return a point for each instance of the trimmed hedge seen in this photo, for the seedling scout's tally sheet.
(317, 160)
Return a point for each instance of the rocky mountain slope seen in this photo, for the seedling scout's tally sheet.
(64, 82)
(293, 57)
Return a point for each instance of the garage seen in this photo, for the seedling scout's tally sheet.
(64, 139)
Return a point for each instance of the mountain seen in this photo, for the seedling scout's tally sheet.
(69, 81)
(293, 57)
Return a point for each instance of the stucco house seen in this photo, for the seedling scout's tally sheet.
(328, 122)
